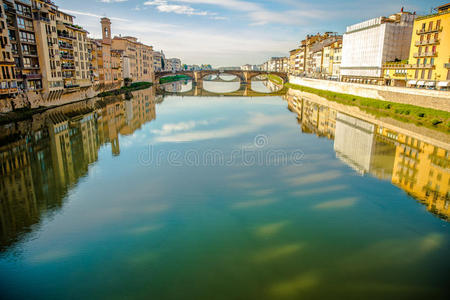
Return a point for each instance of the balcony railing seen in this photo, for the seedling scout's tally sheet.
(67, 56)
(425, 54)
(427, 42)
(67, 67)
(65, 46)
(422, 66)
(31, 76)
(30, 53)
(396, 66)
(65, 35)
(429, 30)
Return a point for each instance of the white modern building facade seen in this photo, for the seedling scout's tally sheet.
(368, 45)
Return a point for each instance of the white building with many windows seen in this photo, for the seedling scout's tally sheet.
(368, 45)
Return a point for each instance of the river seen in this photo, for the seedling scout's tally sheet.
(178, 196)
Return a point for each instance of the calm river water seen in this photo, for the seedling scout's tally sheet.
(222, 197)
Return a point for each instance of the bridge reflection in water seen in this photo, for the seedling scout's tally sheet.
(42, 159)
(416, 161)
(212, 88)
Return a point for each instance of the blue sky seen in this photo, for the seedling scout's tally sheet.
(230, 32)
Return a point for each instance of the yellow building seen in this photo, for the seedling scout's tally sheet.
(428, 65)
(137, 58)
(335, 59)
(295, 64)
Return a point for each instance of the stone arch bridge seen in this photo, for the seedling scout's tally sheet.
(198, 76)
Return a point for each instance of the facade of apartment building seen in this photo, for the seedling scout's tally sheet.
(428, 65)
(173, 64)
(73, 46)
(19, 24)
(249, 67)
(158, 61)
(297, 61)
(335, 60)
(277, 64)
(8, 83)
(318, 54)
(138, 62)
(370, 44)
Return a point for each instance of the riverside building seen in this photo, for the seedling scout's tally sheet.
(369, 44)
(8, 83)
(428, 65)
(138, 58)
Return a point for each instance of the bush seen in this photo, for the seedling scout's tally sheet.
(436, 122)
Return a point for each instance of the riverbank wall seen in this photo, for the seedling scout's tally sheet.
(32, 100)
(419, 97)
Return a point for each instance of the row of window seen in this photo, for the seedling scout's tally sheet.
(430, 25)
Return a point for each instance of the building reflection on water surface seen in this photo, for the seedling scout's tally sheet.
(419, 168)
(41, 159)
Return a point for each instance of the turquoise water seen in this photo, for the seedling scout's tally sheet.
(217, 198)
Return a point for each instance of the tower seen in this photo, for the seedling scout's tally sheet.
(106, 30)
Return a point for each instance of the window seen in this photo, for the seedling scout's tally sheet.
(422, 76)
(430, 74)
(432, 61)
(438, 24)
(430, 25)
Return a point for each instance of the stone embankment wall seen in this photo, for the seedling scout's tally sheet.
(419, 97)
(35, 100)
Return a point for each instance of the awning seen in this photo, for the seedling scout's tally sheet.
(421, 83)
(412, 82)
(444, 83)
(430, 83)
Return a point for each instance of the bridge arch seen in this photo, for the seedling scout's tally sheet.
(159, 75)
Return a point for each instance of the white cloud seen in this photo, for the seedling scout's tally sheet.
(87, 14)
(298, 14)
(181, 126)
(254, 123)
(164, 6)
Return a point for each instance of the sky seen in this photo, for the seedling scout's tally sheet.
(230, 32)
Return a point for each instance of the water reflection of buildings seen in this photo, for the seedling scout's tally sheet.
(41, 159)
(420, 168)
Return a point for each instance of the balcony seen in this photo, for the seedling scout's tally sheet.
(32, 76)
(427, 42)
(65, 35)
(422, 66)
(44, 19)
(425, 54)
(429, 30)
(67, 56)
(32, 53)
(396, 66)
(65, 46)
(67, 67)
(31, 66)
